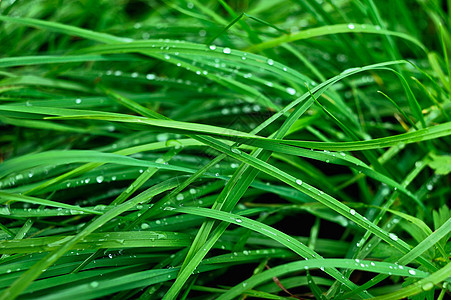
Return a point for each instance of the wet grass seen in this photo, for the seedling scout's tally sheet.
(222, 150)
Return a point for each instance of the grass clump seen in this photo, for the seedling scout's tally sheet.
(221, 150)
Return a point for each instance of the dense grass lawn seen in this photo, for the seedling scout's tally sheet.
(271, 149)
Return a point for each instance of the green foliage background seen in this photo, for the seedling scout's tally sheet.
(225, 149)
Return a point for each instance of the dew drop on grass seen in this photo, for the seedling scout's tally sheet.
(150, 76)
(427, 286)
(134, 74)
(94, 284)
(238, 220)
(373, 264)
(212, 47)
(144, 226)
(78, 101)
(291, 91)
(99, 179)
(298, 181)
(351, 26)
(270, 62)
(393, 236)
(412, 272)
(352, 212)
(180, 197)
(235, 150)
(226, 50)
(429, 187)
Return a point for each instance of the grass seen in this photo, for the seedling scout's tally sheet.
(222, 150)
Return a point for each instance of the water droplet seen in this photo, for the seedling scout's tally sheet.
(351, 26)
(179, 197)
(270, 62)
(226, 50)
(427, 286)
(99, 179)
(212, 47)
(238, 220)
(291, 91)
(298, 181)
(78, 101)
(429, 187)
(235, 150)
(144, 226)
(94, 284)
(412, 272)
(373, 264)
(150, 76)
(393, 236)
(352, 212)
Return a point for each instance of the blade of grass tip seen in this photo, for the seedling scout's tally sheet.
(253, 37)
(399, 109)
(20, 284)
(211, 40)
(339, 123)
(266, 23)
(314, 233)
